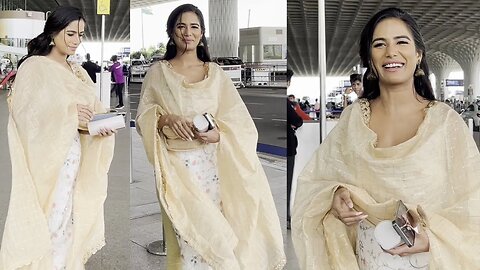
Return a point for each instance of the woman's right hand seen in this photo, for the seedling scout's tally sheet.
(342, 208)
(85, 114)
(181, 126)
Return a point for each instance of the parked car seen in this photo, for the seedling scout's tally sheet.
(156, 58)
(228, 61)
(233, 66)
(138, 69)
(471, 112)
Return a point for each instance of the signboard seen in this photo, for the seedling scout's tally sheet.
(103, 7)
(449, 82)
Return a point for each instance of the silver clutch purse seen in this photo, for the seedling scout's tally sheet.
(204, 122)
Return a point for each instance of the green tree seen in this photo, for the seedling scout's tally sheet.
(161, 48)
(136, 55)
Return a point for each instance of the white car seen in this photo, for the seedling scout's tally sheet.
(138, 69)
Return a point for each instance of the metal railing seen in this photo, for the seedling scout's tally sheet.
(265, 74)
(15, 42)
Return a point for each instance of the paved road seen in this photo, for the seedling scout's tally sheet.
(267, 107)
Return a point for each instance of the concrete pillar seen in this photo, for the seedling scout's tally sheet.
(439, 87)
(468, 57)
(223, 27)
(441, 65)
(471, 77)
(440, 75)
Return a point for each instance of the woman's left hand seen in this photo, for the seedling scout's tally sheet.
(422, 244)
(106, 132)
(211, 136)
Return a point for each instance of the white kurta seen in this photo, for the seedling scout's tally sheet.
(43, 124)
(246, 234)
(435, 173)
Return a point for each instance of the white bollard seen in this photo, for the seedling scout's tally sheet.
(470, 126)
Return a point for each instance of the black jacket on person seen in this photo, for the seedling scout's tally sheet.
(91, 69)
(293, 119)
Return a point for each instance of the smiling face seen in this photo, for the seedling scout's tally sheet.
(393, 52)
(188, 32)
(68, 39)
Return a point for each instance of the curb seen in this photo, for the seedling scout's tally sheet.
(272, 149)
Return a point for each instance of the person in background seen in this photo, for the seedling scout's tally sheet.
(298, 109)
(294, 121)
(91, 68)
(117, 72)
(356, 87)
(317, 108)
(356, 82)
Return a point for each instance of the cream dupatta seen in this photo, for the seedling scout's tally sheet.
(435, 172)
(247, 235)
(42, 124)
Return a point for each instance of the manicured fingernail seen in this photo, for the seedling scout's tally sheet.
(358, 213)
(350, 205)
(364, 216)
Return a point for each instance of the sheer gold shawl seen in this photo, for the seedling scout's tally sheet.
(42, 124)
(435, 172)
(247, 235)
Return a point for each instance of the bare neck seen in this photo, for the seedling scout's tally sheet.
(398, 99)
(189, 58)
(57, 56)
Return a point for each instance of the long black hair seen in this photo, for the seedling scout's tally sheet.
(202, 51)
(58, 20)
(371, 87)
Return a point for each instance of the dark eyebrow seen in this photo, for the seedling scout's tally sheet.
(74, 31)
(397, 37)
(181, 23)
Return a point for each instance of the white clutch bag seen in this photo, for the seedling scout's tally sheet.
(204, 122)
(105, 120)
(386, 236)
(402, 230)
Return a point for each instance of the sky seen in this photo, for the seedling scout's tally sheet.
(154, 26)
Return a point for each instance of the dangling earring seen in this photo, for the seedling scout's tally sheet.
(419, 71)
(200, 44)
(171, 43)
(52, 43)
(371, 76)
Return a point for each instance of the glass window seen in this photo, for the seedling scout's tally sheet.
(272, 52)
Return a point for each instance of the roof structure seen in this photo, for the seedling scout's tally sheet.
(117, 24)
(451, 30)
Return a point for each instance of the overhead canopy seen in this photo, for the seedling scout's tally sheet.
(117, 24)
(147, 3)
(451, 30)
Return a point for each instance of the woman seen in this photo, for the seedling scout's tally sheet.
(217, 207)
(395, 143)
(59, 174)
